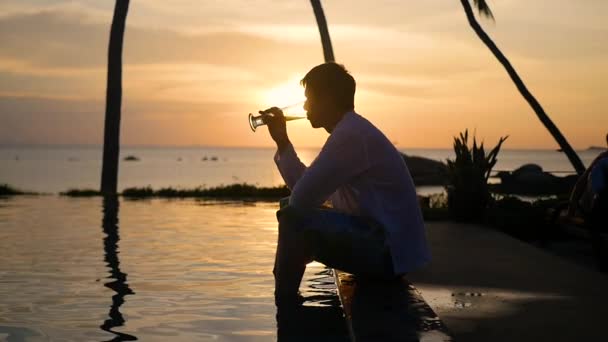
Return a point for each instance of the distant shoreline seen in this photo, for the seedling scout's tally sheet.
(195, 147)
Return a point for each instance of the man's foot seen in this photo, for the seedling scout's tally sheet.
(288, 300)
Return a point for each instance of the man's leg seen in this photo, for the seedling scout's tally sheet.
(352, 244)
(293, 253)
(338, 240)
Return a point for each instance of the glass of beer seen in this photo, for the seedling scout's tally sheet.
(291, 112)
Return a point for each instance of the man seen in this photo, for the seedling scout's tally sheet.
(375, 227)
(590, 198)
(590, 185)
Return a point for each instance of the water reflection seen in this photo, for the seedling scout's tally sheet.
(319, 318)
(214, 281)
(391, 311)
(119, 282)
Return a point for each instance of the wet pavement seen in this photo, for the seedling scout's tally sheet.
(487, 286)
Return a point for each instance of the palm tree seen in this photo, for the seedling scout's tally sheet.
(328, 51)
(484, 10)
(111, 139)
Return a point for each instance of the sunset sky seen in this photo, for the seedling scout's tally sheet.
(194, 69)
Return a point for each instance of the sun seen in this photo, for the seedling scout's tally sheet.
(284, 94)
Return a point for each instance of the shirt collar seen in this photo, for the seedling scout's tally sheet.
(347, 116)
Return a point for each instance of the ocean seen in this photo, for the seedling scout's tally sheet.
(56, 169)
(155, 270)
(73, 269)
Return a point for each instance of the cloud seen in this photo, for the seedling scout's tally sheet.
(534, 30)
(38, 120)
(60, 39)
(53, 53)
(189, 64)
(43, 120)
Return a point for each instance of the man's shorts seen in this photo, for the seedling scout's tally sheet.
(349, 243)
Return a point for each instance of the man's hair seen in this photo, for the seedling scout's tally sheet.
(332, 79)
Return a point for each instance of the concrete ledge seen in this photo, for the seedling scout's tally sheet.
(387, 311)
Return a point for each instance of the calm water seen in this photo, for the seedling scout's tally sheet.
(158, 270)
(58, 169)
(155, 270)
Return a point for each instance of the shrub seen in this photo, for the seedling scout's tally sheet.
(81, 193)
(524, 220)
(434, 207)
(7, 190)
(232, 191)
(138, 192)
(467, 189)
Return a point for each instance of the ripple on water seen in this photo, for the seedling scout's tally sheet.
(156, 270)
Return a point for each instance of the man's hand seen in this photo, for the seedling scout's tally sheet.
(275, 120)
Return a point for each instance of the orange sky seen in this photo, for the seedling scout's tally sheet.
(193, 70)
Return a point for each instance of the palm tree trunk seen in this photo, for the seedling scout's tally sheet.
(118, 279)
(538, 109)
(328, 51)
(111, 140)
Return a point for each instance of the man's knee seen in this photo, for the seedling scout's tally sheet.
(289, 222)
(295, 224)
(293, 216)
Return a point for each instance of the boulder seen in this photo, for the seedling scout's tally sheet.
(425, 171)
(530, 179)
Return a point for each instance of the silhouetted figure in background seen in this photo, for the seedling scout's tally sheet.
(119, 279)
(375, 228)
(590, 198)
(590, 185)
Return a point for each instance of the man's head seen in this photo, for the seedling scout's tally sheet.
(330, 93)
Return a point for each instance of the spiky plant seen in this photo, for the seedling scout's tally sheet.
(468, 173)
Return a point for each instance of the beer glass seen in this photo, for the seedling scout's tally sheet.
(290, 112)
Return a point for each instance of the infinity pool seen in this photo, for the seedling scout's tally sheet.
(151, 270)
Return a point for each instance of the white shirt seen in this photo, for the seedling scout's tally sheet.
(361, 173)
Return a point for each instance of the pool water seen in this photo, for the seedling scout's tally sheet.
(152, 270)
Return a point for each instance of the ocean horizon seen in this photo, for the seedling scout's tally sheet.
(6, 145)
(56, 168)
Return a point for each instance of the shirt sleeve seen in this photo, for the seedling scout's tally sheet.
(340, 161)
(289, 165)
(598, 175)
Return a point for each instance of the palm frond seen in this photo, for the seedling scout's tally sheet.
(483, 8)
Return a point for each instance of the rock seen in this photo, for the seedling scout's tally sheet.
(131, 158)
(426, 171)
(530, 179)
(532, 174)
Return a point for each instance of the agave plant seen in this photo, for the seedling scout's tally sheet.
(467, 188)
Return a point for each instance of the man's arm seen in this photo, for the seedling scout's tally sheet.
(581, 185)
(277, 127)
(288, 163)
(339, 162)
(577, 192)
